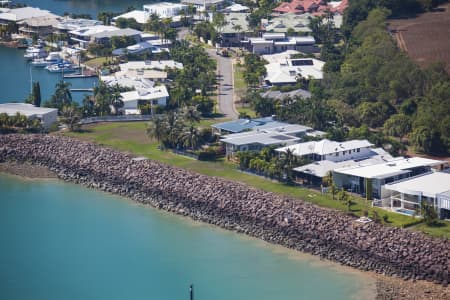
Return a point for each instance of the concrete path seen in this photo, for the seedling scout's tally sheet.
(225, 84)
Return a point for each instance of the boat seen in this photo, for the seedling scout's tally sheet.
(34, 52)
(62, 67)
(43, 62)
(53, 56)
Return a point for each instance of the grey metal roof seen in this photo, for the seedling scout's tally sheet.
(237, 125)
(119, 32)
(278, 95)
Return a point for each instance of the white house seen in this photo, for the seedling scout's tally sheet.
(369, 178)
(331, 150)
(23, 13)
(292, 70)
(101, 34)
(271, 43)
(151, 65)
(407, 195)
(141, 16)
(67, 24)
(155, 96)
(47, 116)
(165, 9)
(204, 5)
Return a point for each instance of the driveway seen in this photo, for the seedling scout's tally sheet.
(225, 84)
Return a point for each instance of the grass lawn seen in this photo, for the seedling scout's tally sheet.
(240, 89)
(131, 137)
(97, 62)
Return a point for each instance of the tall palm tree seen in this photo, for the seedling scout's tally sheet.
(116, 101)
(157, 128)
(191, 138)
(191, 114)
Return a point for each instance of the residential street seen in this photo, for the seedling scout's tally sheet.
(225, 89)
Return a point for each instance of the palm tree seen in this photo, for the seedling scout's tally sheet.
(157, 129)
(191, 114)
(62, 96)
(289, 161)
(116, 101)
(191, 138)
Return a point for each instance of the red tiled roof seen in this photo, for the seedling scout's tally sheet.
(316, 7)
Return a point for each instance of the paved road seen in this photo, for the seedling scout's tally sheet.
(226, 90)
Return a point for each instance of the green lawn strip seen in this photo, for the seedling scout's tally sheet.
(239, 82)
(442, 229)
(96, 62)
(112, 134)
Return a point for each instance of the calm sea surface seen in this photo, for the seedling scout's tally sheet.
(62, 241)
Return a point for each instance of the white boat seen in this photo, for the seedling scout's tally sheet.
(33, 52)
(43, 62)
(62, 67)
(53, 56)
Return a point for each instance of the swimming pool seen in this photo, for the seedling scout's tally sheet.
(405, 211)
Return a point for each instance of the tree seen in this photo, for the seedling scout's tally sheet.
(191, 114)
(263, 106)
(424, 139)
(429, 213)
(190, 138)
(35, 96)
(397, 125)
(116, 101)
(62, 96)
(71, 117)
(157, 129)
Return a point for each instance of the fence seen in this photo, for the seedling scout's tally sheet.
(124, 118)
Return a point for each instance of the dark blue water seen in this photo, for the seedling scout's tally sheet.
(62, 241)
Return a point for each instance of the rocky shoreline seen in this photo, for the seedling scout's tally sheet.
(292, 223)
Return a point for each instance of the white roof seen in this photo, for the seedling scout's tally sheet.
(67, 23)
(237, 8)
(259, 137)
(150, 65)
(125, 81)
(321, 168)
(428, 185)
(23, 13)
(281, 127)
(156, 92)
(281, 73)
(24, 109)
(281, 57)
(397, 166)
(164, 5)
(140, 16)
(324, 147)
(92, 30)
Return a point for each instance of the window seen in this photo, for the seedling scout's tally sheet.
(344, 152)
(337, 153)
(358, 150)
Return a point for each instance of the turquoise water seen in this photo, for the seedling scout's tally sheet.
(62, 241)
(15, 78)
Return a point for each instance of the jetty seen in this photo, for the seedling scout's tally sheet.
(82, 90)
(68, 76)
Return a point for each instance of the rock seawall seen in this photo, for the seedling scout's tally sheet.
(234, 206)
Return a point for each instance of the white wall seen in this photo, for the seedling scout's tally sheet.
(349, 154)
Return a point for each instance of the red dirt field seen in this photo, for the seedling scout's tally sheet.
(425, 38)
